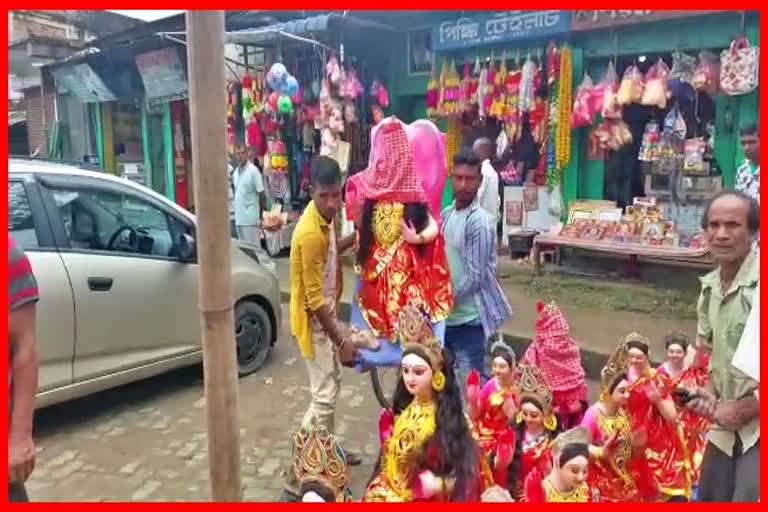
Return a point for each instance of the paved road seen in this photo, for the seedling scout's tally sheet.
(147, 441)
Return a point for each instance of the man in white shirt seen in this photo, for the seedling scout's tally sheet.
(250, 197)
(488, 195)
(231, 190)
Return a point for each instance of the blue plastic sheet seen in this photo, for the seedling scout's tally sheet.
(389, 354)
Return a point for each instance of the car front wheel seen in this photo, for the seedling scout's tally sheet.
(253, 337)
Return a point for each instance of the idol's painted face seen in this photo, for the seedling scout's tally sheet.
(501, 369)
(637, 359)
(675, 355)
(574, 472)
(620, 394)
(417, 375)
(533, 416)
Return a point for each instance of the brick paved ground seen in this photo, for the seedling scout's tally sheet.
(147, 441)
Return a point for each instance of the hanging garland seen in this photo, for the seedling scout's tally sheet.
(565, 107)
(553, 176)
(231, 117)
(452, 141)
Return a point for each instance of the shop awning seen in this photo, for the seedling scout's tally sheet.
(301, 27)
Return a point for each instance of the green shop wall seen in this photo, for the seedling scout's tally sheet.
(712, 32)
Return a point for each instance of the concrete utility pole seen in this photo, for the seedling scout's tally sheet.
(208, 116)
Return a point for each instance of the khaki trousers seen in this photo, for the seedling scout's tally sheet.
(324, 383)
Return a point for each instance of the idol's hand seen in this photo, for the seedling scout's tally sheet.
(409, 233)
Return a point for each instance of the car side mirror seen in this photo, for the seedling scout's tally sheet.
(187, 247)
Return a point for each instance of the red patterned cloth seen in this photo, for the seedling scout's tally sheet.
(557, 355)
(391, 177)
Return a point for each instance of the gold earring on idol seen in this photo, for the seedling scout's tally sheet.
(438, 381)
(603, 397)
(519, 418)
(550, 423)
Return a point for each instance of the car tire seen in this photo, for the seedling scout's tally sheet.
(253, 337)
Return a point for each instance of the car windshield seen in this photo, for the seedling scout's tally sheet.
(92, 218)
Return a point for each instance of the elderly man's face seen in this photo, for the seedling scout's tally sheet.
(727, 231)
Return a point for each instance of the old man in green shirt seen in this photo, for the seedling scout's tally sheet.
(731, 466)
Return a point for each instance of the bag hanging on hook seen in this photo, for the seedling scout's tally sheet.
(739, 67)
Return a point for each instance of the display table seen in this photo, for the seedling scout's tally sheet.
(680, 255)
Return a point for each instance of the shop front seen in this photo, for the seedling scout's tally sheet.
(166, 135)
(655, 127)
(317, 90)
(507, 76)
(621, 113)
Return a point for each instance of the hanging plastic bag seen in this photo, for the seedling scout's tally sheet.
(655, 94)
(706, 78)
(739, 68)
(526, 86)
(333, 70)
(383, 96)
(694, 155)
(555, 206)
(680, 79)
(502, 142)
(610, 108)
(649, 145)
(582, 114)
(632, 86)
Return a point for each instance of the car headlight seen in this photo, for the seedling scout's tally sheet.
(261, 257)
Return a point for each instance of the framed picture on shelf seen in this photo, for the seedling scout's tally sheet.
(514, 213)
(608, 215)
(531, 199)
(580, 214)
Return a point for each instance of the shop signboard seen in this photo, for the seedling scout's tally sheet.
(500, 27)
(163, 75)
(83, 82)
(591, 19)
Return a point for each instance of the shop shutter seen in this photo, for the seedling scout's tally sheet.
(35, 128)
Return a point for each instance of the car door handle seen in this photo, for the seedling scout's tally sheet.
(100, 284)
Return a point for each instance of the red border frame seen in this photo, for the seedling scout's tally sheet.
(400, 4)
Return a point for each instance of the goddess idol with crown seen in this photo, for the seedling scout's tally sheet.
(618, 471)
(428, 452)
(400, 251)
(320, 465)
(567, 481)
(492, 410)
(536, 423)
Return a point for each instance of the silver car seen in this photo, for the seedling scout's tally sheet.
(117, 270)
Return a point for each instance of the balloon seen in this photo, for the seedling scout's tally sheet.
(278, 69)
(273, 101)
(291, 86)
(298, 97)
(277, 76)
(428, 145)
(284, 104)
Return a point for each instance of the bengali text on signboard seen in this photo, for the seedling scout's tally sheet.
(590, 19)
(502, 27)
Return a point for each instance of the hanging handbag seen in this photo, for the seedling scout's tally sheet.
(739, 67)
